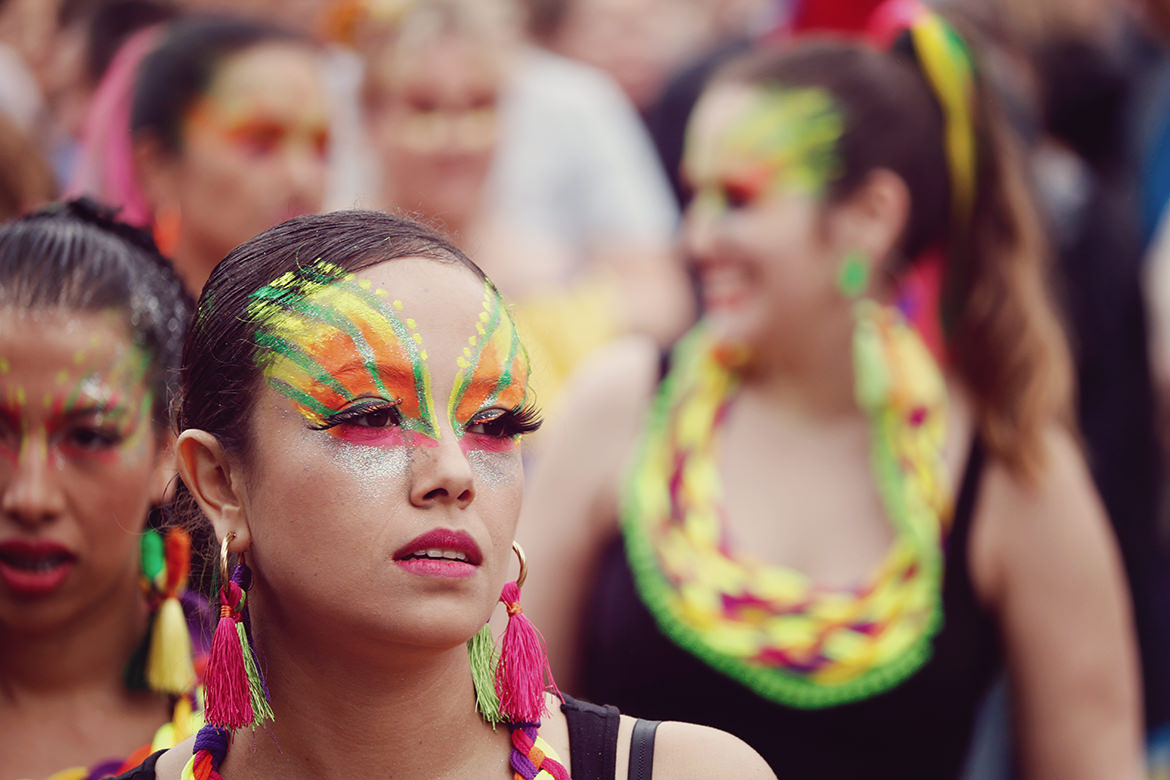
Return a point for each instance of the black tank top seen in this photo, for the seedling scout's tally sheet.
(919, 729)
(593, 738)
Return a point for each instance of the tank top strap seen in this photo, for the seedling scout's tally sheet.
(958, 541)
(593, 736)
(969, 489)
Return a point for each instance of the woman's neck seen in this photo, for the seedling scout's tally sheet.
(812, 374)
(337, 717)
(81, 656)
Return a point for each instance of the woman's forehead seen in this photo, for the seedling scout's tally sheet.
(412, 319)
(68, 351)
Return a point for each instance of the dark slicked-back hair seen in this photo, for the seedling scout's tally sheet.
(220, 373)
(77, 256)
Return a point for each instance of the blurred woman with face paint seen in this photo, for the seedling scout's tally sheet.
(95, 658)
(231, 136)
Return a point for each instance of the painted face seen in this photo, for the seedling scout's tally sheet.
(759, 162)
(254, 148)
(80, 463)
(434, 119)
(386, 470)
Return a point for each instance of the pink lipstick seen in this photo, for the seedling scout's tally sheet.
(440, 553)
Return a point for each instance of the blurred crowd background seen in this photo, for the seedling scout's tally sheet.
(545, 136)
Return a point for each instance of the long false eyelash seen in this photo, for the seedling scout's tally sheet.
(357, 411)
(515, 422)
(527, 418)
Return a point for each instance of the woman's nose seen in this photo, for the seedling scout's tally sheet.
(699, 228)
(441, 476)
(33, 493)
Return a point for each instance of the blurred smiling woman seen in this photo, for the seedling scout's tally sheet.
(832, 534)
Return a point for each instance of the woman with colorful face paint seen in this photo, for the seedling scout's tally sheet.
(95, 656)
(353, 397)
(855, 492)
(231, 133)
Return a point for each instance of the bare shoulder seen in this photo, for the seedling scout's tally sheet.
(170, 764)
(1053, 517)
(685, 751)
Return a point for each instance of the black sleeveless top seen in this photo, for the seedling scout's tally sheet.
(919, 729)
(593, 737)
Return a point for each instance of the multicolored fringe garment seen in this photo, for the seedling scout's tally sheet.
(769, 627)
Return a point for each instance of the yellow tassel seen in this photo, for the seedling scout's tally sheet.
(169, 668)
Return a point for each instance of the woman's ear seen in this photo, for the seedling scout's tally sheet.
(206, 469)
(873, 218)
(155, 171)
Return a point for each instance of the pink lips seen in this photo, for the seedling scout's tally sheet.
(440, 553)
(34, 568)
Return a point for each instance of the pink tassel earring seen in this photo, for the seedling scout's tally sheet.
(523, 673)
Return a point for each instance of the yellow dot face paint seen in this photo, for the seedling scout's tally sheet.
(330, 340)
(781, 140)
(97, 409)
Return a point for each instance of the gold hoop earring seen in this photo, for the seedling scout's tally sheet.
(516, 548)
(224, 574)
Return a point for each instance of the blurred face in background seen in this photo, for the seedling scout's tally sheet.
(433, 114)
(253, 151)
(760, 235)
(80, 464)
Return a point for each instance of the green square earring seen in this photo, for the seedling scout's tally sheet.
(853, 274)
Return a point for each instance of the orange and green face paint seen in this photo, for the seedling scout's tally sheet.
(354, 364)
(781, 140)
(331, 340)
(493, 375)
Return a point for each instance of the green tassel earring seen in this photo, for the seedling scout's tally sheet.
(853, 274)
(481, 649)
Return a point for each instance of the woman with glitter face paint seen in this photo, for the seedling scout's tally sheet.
(852, 492)
(353, 397)
(95, 655)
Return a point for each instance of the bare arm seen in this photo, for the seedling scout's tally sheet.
(570, 506)
(684, 751)
(1046, 561)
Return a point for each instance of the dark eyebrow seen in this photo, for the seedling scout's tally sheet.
(385, 371)
(484, 384)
